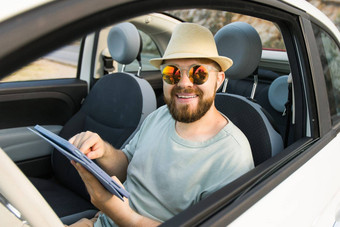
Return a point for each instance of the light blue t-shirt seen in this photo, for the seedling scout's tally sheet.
(167, 174)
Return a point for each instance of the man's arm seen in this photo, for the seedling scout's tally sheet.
(113, 161)
(120, 212)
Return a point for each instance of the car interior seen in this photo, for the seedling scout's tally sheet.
(66, 192)
(257, 96)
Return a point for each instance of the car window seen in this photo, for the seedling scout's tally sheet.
(58, 64)
(274, 56)
(330, 56)
(270, 34)
(149, 51)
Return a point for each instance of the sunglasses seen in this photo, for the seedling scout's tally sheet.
(198, 74)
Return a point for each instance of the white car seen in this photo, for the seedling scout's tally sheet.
(286, 77)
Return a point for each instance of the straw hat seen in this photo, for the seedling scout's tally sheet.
(192, 41)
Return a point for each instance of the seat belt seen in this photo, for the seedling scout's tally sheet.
(288, 110)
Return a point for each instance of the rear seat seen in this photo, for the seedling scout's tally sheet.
(266, 78)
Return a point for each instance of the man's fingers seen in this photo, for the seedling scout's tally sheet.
(71, 140)
(87, 142)
(79, 141)
(118, 181)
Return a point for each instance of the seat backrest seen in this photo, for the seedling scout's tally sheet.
(114, 108)
(241, 42)
(248, 116)
(278, 93)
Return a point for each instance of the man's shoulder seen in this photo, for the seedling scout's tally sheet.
(161, 114)
(234, 131)
(236, 138)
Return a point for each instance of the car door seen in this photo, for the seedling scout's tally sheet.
(305, 192)
(47, 92)
(299, 186)
(284, 172)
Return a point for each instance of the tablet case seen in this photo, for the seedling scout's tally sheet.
(73, 153)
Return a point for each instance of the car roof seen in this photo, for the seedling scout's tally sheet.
(315, 13)
(11, 8)
(14, 7)
(58, 21)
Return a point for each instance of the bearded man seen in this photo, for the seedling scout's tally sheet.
(183, 152)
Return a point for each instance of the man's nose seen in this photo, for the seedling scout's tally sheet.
(185, 81)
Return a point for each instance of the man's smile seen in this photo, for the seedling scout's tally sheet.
(186, 98)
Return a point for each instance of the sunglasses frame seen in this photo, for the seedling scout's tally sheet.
(187, 70)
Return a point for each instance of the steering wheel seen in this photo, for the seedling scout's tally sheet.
(24, 203)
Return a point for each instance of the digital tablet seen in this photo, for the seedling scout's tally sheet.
(73, 153)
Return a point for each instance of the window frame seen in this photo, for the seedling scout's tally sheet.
(285, 170)
(225, 205)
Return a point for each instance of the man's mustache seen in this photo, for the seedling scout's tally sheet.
(191, 90)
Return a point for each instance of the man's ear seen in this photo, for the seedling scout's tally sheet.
(220, 79)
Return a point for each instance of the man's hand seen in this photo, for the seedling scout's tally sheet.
(90, 144)
(119, 211)
(99, 195)
(113, 161)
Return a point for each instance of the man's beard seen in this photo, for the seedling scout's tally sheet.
(182, 113)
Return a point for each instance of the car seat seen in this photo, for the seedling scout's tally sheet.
(241, 42)
(280, 96)
(114, 108)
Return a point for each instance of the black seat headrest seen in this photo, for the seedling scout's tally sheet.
(240, 42)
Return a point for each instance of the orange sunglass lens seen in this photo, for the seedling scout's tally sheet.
(198, 74)
(171, 74)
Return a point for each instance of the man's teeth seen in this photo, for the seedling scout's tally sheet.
(186, 97)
